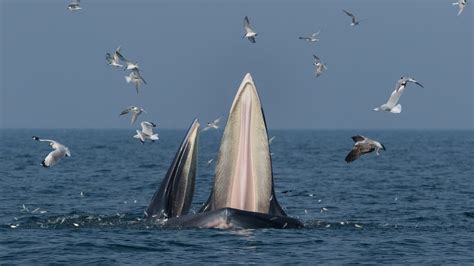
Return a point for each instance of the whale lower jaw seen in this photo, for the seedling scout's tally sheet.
(230, 218)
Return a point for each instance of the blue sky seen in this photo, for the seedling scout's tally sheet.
(191, 53)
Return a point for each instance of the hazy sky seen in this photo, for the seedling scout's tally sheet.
(191, 53)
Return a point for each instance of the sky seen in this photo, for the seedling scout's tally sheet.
(53, 72)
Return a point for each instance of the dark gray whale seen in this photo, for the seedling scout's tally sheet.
(175, 194)
(242, 195)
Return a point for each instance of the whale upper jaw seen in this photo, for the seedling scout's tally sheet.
(175, 194)
(243, 175)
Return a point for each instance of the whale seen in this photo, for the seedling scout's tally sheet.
(242, 195)
(174, 196)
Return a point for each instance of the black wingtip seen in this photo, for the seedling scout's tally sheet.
(44, 164)
(35, 138)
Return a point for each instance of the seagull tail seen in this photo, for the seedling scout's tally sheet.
(377, 109)
(128, 79)
(154, 137)
(397, 109)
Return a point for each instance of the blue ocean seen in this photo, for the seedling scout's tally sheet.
(413, 204)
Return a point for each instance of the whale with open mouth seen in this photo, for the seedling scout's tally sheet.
(242, 195)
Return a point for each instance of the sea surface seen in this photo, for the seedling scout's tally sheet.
(413, 204)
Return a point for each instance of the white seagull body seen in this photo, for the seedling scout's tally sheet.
(320, 67)
(311, 38)
(362, 146)
(114, 60)
(392, 104)
(146, 132)
(136, 111)
(354, 22)
(212, 125)
(461, 4)
(136, 78)
(250, 34)
(53, 157)
(74, 5)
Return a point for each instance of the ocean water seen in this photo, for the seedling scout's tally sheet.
(412, 204)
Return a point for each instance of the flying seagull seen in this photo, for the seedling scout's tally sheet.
(354, 21)
(320, 67)
(53, 157)
(271, 140)
(129, 65)
(212, 125)
(461, 4)
(136, 78)
(74, 5)
(362, 146)
(136, 111)
(392, 104)
(311, 38)
(249, 33)
(114, 60)
(147, 132)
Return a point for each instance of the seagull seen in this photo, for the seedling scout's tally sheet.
(147, 132)
(311, 38)
(354, 21)
(212, 125)
(362, 146)
(461, 4)
(129, 64)
(271, 140)
(136, 111)
(249, 33)
(210, 161)
(392, 104)
(74, 5)
(53, 157)
(136, 78)
(114, 60)
(320, 67)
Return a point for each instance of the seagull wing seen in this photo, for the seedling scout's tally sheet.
(358, 138)
(252, 39)
(395, 97)
(359, 150)
(416, 82)
(353, 155)
(147, 127)
(134, 117)
(126, 111)
(137, 74)
(349, 14)
(247, 24)
(316, 58)
(461, 8)
(47, 140)
(121, 57)
(53, 157)
(217, 120)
